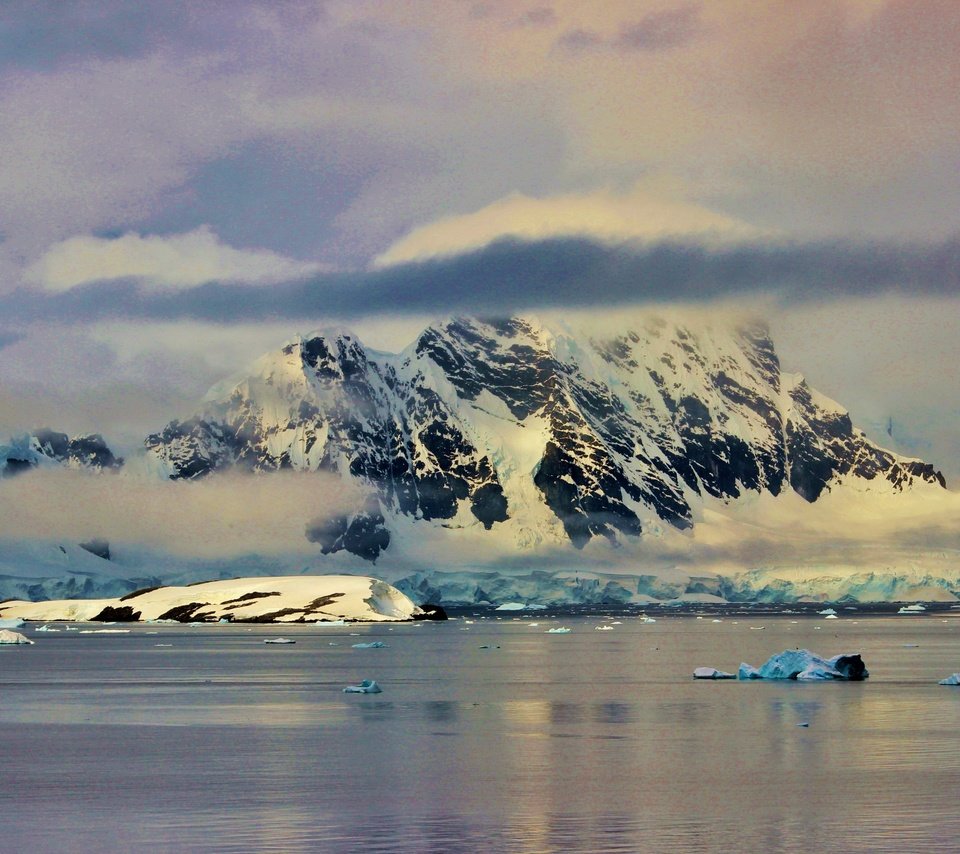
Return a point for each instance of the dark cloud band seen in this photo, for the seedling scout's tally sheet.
(510, 275)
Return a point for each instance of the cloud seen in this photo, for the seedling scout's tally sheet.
(656, 31)
(231, 514)
(174, 261)
(641, 212)
(510, 275)
(8, 337)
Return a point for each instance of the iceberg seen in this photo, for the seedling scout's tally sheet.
(368, 686)
(11, 623)
(558, 631)
(912, 609)
(952, 679)
(712, 673)
(279, 640)
(7, 636)
(805, 666)
(827, 612)
(371, 645)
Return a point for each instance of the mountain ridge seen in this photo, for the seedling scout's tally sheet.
(511, 422)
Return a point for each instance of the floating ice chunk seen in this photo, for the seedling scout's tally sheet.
(279, 640)
(332, 623)
(912, 609)
(7, 636)
(604, 628)
(831, 617)
(803, 665)
(11, 623)
(45, 628)
(104, 631)
(712, 673)
(532, 625)
(645, 619)
(558, 631)
(371, 645)
(716, 621)
(368, 686)
(827, 612)
(952, 679)
(804, 723)
(520, 606)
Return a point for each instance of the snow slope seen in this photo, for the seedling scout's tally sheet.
(261, 600)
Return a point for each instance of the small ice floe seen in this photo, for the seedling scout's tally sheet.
(645, 619)
(332, 623)
(912, 609)
(712, 673)
(831, 617)
(512, 606)
(952, 679)
(757, 628)
(557, 631)
(371, 645)
(104, 631)
(368, 686)
(827, 612)
(532, 625)
(604, 628)
(46, 627)
(279, 640)
(616, 623)
(716, 621)
(804, 723)
(8, 636)
(163, 644)
(805, 666)
(11, 623)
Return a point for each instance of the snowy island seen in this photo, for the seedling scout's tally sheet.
(284, 599)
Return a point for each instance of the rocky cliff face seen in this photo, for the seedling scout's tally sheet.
(509, 425)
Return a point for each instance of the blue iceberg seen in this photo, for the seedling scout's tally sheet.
(368, 686)
(371, 645)
(805, 666)
(712, 673)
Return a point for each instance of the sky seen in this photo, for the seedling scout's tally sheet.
(187, 185)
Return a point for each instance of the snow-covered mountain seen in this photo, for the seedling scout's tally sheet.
(47, 448)
(533, 435)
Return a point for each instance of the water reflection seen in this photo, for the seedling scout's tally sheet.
(589, 743)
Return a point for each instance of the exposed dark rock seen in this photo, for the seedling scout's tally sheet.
(140, 592)
(111, 614)
(98, 547)
(188, 613)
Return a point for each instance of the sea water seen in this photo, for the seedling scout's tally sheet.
(490, 735)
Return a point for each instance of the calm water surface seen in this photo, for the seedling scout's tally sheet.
(178, 738)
